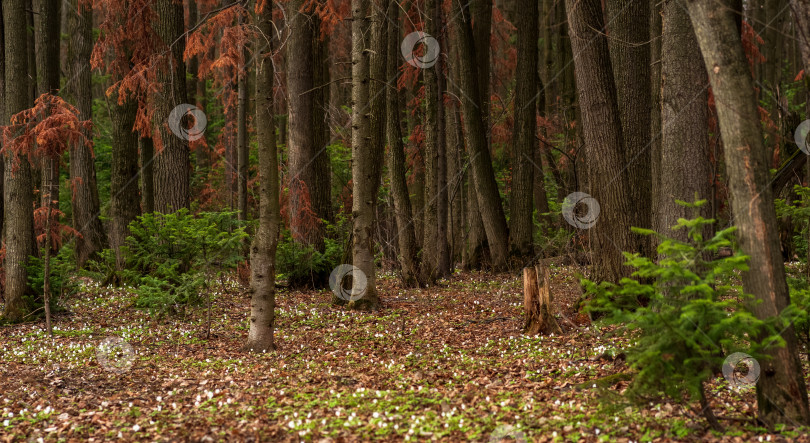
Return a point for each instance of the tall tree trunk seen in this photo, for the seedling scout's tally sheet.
(524, 141)
(406, 237)
(2, 116)
(18, 199)
(124, 198)
(685, 166)
(147, 153)
(242, 149)
(308, 162)
(781, 389)
(655, 112)
(441, 146)
(630, 58)
(46, 26)
(85, 200)
(172, 164)
(604, 145)
(265, 241)
(366, 142)
(489, 199)
(431, 240)
(481, 11)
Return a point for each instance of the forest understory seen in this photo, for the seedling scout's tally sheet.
(446, 363)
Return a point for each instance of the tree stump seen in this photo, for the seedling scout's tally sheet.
(537, 302)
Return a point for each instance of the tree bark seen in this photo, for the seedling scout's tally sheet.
(537, 302)
(2, 116)
(630, 57)
(265, 241)
(487, 193)
(604, 145)
(781, 389)
(655, 113)
(431, 241)
(147, 163)
(309, 183)
(86, 205)
(242, 149)
(18, 199)
(124, 198)
(46, 29)
(684, 163)
(172, 163)
(406, 237)
(524, 141)
(365, 154)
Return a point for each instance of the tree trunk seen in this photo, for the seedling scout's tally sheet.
(2, 116)
(781, 390)
(124, 198)
(537, 302)
(604, 145)
(365, 154)
(46, 29)
(309, 181)
(481, 11)
(147, 152)
(685, 165)
(430, 241)
(265, 241)
(86, 205)
(487, 193)
(242, 148)
(172, 164)
(630, 57)
(406, 237)
(17, 194)
(524, 141)
(655, 111)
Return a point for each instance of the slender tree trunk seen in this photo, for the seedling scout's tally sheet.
(2, 117)
(430, 241)
(365, 155)
(524, 141)
(481, 11)
(441, 146)
(86, 205)
(147, 153)
(172, 164)
(685, 166)
(630, 58)
(124, 198)
(242, 149)
(18, 199)
(489, 199)
(604, 145)
(781, 389)
(406, 237)
(46, 26)
(265, 241)
(655, 111)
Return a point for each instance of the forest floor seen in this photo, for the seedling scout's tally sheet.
(446, 363)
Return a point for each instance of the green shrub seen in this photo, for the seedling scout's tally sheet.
(169, 257)
(696, 314)
(302, 265)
